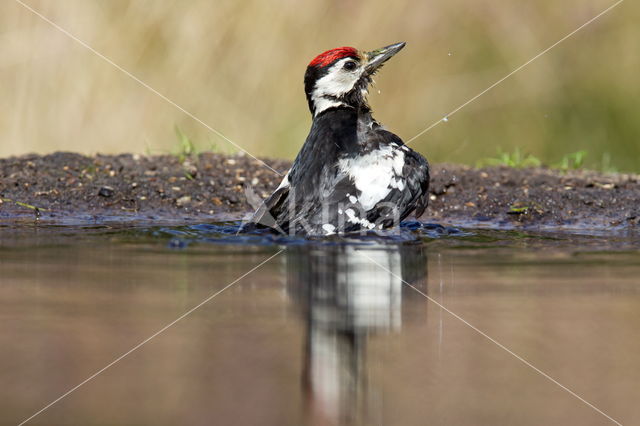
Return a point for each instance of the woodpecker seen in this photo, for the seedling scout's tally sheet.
(351, 173)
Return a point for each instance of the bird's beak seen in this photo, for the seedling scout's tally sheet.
(377, 57)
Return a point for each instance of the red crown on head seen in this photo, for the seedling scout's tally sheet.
(329, 56)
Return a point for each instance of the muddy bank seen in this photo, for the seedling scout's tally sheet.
(67, 185)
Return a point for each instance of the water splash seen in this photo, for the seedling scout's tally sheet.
(229, 233)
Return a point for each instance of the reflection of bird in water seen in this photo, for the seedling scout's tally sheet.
(345, 297)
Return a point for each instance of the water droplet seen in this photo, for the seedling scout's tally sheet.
(445, 119)
(449, 54)
(379, 92)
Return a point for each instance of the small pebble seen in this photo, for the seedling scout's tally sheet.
(605, 185)
(183, 201)
(106, 191)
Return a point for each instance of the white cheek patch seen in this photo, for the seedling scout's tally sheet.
(336, 83)
(322, 104)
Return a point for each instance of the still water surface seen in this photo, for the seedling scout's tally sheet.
(464, 329)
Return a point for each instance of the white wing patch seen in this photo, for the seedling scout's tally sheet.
(375, 174)
(351, 217)
(285, 182)
(329, 229)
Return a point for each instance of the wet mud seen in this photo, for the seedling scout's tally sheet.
(62, 186)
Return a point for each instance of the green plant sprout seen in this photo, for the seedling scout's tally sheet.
(572, 161)
(186, 148)
(517, 159)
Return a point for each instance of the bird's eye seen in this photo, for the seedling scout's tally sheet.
(350, 66)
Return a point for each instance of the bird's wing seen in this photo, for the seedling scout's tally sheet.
(419, 182)
(387, 193)
(273, 207)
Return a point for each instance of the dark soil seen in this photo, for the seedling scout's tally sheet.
(212, 186)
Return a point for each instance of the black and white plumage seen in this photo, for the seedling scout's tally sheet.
(351, 174)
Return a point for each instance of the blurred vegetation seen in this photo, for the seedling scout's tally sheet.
(518, 159)
(572, 161)
(186, 148)
(238, 66)
(512, 159)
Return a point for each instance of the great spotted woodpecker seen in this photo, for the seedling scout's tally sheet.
(351, 173)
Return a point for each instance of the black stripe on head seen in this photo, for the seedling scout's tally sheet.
(320, 66)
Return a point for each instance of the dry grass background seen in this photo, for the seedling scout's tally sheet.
(238, 65)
